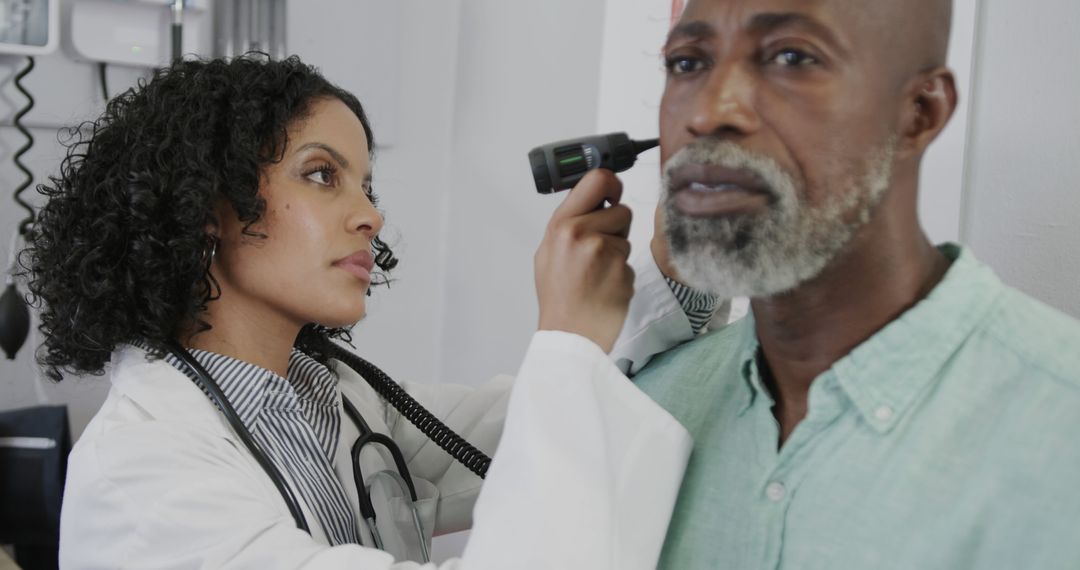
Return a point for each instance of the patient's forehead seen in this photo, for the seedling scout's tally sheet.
(907, 35)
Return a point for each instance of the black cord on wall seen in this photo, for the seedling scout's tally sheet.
(103, 78)
(14, 314)
(25, 225)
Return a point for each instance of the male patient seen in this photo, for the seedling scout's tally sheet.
(887, 404)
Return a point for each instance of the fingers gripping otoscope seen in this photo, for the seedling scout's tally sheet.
(560, 165)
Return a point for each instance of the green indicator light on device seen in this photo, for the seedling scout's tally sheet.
(559, 166)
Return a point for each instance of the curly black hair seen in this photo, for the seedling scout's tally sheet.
(119, 251)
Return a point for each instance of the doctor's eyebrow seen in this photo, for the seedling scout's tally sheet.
(337, 156)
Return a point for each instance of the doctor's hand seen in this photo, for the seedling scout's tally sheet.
(583, 282)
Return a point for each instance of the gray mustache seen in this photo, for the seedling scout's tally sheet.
(722, 153)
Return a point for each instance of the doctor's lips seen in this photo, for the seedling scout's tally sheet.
(360, 264)
(711, 190)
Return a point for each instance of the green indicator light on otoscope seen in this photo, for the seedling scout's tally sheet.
(559, 166)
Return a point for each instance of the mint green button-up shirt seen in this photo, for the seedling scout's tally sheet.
(948, 440)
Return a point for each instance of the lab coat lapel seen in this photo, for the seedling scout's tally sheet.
(163, 391)
(167, 394)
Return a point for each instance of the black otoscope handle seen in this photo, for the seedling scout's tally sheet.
(561, 165)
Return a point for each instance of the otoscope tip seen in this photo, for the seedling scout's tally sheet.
(642, 146)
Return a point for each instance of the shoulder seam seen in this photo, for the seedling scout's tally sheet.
(1031, 359)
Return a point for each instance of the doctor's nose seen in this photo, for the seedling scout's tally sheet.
(364, 217)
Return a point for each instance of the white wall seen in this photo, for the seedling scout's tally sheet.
(528, 74)
(1022, 216)
(631, 83)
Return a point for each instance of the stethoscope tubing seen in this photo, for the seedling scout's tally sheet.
(207, 383)
(403, 477)
(203, 378)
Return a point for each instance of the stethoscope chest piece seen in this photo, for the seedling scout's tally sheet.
(398, 480)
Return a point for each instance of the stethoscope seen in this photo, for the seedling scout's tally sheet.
(454, 444)
(401, 477)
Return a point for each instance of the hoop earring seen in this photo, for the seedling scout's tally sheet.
(209, 252)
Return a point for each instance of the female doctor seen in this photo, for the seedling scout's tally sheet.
(204, 244)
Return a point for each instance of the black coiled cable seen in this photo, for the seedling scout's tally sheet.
(464, 452)
(25, 225)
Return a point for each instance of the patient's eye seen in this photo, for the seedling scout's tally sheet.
(791, 57)
(683, 64)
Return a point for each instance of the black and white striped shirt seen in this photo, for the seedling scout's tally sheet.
(699, 306)
(297, 422)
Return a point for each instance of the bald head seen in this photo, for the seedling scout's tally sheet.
(915, 32)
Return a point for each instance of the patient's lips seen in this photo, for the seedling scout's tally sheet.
(709, 190)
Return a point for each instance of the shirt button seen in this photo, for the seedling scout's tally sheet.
(883, 414)
(776, 492)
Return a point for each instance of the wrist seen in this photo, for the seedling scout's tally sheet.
(601, 338)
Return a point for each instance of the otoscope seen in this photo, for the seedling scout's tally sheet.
(559, 166)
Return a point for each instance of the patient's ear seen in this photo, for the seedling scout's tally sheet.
(930, 102)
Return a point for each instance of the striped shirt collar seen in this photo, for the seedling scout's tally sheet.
(296, 420)
(311, 389)
(699, 306)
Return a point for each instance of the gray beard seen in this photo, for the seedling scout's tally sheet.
(766, 254)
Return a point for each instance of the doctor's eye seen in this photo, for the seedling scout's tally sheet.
(323, 175)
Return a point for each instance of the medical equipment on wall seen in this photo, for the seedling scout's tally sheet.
(135, 33)
(241, 26)
(14, 314)
(14, 320)
(461, 450)
(177, 30)
(27, 27)
(560, 165)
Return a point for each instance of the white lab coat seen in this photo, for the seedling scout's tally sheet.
(586, 475)
(656, 322)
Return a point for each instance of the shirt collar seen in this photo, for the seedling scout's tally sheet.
(884, 376)
(246, 385)
(748, 368)
(252, 389)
